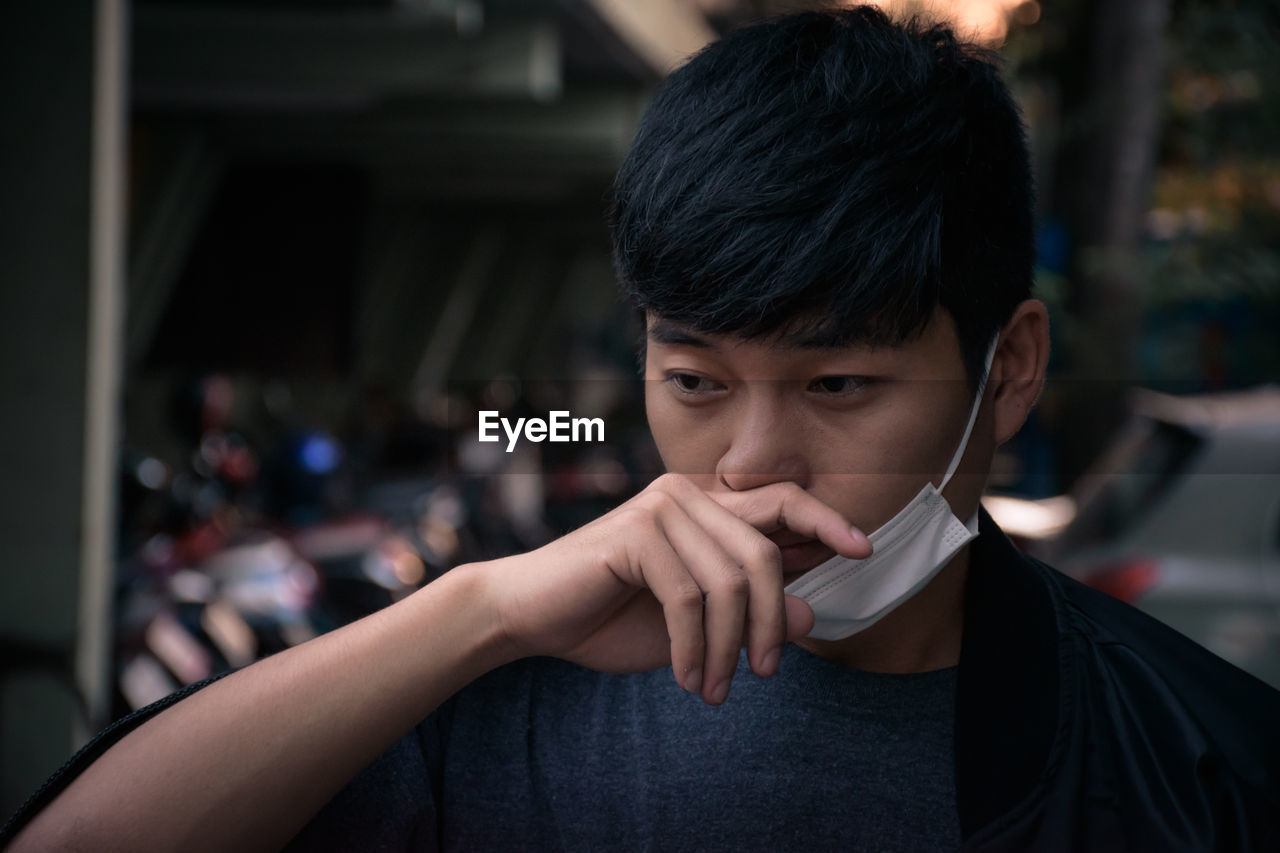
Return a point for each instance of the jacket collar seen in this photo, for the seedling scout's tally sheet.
(1008, 689)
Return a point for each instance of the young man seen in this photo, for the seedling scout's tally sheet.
(826, 220)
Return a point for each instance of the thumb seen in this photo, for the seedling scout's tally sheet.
(800, 617)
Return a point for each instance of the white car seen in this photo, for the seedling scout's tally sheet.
(1180, 517)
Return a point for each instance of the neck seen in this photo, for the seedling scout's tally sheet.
(921, 635)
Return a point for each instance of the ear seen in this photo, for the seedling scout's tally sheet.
(1018, 368)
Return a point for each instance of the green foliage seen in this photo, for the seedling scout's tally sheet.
(1209, 269)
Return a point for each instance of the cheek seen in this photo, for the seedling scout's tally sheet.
(928, 420)
(888, 457)
(688, 444)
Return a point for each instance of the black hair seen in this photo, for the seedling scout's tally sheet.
(831, 174)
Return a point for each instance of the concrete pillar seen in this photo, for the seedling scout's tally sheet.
(61, 284)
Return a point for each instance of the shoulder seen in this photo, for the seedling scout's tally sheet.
(1082, 712)
(1119, 630)
(1129, 668)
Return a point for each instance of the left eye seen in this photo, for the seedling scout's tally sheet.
(838, 386)
(692, 385)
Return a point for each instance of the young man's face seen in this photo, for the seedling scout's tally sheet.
(861, 429)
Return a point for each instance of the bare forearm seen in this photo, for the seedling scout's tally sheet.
(247, 761)
(674, 576)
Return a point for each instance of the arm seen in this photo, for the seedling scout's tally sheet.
(674, 575)
(244, 763)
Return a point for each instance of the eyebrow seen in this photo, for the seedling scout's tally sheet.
(666, 332)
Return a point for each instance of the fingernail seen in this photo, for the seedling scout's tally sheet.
(859, 537)
(719, 693)
(769, 665)
(693, 681)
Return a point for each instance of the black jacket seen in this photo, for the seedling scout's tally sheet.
(1082, 724)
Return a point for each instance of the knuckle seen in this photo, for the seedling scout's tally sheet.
(793, 496)
(734, 586)
(639, 521)
(687, 596)
(788, 489)
(626, 515)
(660, 499)
(650, 503)
(765, 553)
(670, 483)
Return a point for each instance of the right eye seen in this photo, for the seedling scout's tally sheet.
(691, 384)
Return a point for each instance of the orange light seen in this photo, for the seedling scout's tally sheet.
(983, 21)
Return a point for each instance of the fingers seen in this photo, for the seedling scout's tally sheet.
(800, 618)
(668, 578)
(786, 505)
(719, 578)
(728, 594)
(760, 561)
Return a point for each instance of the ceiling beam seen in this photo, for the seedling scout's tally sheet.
(661, 33)
(449, 148)
(238, 58)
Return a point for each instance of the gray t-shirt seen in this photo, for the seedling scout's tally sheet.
(544, 755)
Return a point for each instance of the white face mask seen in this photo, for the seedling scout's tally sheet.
(848, 596)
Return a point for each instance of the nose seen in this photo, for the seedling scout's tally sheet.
(763, 446)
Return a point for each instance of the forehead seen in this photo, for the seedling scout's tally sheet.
(800, 336)
(803, 335)
(933, 353)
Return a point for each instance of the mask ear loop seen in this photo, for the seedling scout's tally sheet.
(973, 413)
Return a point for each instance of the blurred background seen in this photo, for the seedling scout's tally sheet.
(261, 263)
